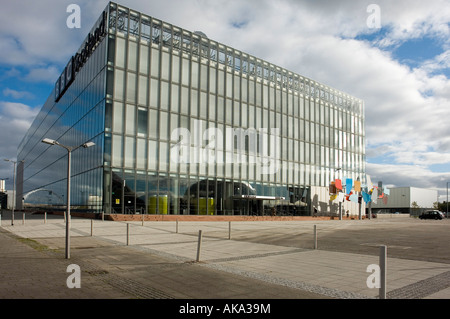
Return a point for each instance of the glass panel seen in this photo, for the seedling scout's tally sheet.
(153, 155)
(108, 116)
(120, 52)
(130, 149)
(141, 159)
(107, 149)
(194, 103)
(163, 156)
(165, 66)
(164, 125)
(185, 72)
(153, 124)
(204, 77)
(203, 105)
(140, 193)
(155, 63)
(143, 89)
(194, 75)
(212, 80)
(142, 121)
(143, 59)
(130, 118)
(164, 95)
(175, 68)
(174, 98)
(118, 84)
(154, 93)
(117, 151)
(184, 100)
(117, 117)
(212, 107)
(131, 87)
(132, 56)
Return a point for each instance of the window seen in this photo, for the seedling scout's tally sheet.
(131, 87)
(117, 117)
(154, 93)
(132, 56)
(120, 52)
(117, 151)
(130, 149)
(119, 84)
(142, 121)
(130, 117)
(143, 84)
(153, 124)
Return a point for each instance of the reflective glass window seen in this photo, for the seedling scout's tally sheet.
(130, 119)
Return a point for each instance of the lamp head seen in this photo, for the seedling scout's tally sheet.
(49, 141)
(88, 144)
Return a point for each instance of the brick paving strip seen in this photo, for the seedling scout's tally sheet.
(423, 288)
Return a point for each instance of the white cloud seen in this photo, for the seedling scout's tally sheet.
(18, 94)
(43, 74)
(409, 176)
(16, 118)
(18, 112)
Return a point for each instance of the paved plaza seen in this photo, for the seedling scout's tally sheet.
(237, 260)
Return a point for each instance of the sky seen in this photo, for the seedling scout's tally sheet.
(394, 55)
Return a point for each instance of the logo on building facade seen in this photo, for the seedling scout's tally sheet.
(77, 61)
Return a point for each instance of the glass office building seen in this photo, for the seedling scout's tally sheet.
(186, 125)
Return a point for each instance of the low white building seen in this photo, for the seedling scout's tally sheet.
(406, 200)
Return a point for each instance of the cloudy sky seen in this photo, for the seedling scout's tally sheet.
(395, 55)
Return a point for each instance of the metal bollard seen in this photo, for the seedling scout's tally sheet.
(383, 266)
(177, 227)
(199, 245)
(92, 227)
(128, 234)
(315, 236)
(23, 218)
(229, 230)
(45, 218)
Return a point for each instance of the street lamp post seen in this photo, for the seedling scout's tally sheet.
(447, 200)
(14, 189)
(340, 203)
(69, 150)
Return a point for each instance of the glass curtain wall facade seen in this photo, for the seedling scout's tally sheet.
(187, 125)
(163, 78)
(77, 118)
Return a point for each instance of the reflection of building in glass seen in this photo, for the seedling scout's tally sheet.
(186, 125)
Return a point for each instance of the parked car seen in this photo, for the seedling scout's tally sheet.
(431, 214)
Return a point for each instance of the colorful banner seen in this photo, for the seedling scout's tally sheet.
(354, 198)
(375, 195)
(348, 185)
(366, 197)
(338, 184)
(357, 186)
